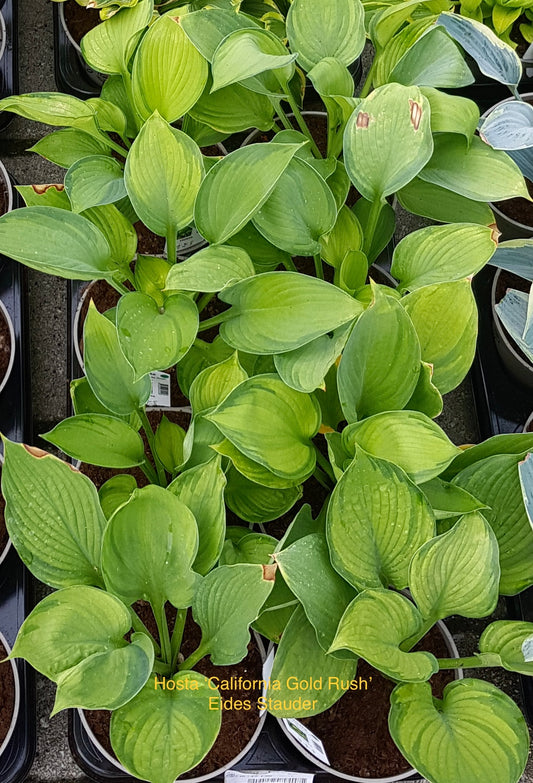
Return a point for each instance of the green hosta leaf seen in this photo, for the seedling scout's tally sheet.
(451, 113)
(426, 398)
(169, 438)
(390, 20)
(166, 731)
(448, 500)
(257, 503)
(445, 318)
(300, 656)
(118, 231)
(438, 203)
(430, 255)
(95, 180)
(115, 492)
(151, 275)
(477, 731)
(233, 108)
(372, 542)
(380, 363)
(330, 77)
(108, 46)
(53, 108)
(99, 440)
(164, 170)
(169, 74)
(237, 186)
(252, 470)
(114, 91)
(67, 146)
(512, 641)
(211, 269)
(305, 368)
(155, 337)
(457, 572)
(317, 30)
(324, 595)
(201, 489)
(387, 140)
(249, 548)
(516, 443)
(434, 60)
(475, 171)
(280, 311)
(271, 424)
(249, 52)
(52, 516)
(374, 626)
(109, 374)
(408, 438)
(201, 436)
(228, 600)
(345, 237)
(208, 27)
(151, 562)
(495, 481)
(44, 196)
(290, 219)
(265, 256)
(84, 401)
(212, 385)
(109, 117)
(56, 242)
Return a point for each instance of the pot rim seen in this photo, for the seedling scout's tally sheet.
(16, 706)
(305, 113)
(216, 772)
(529, 420)
(3, 171)
(3, 35)
(4, 552)
(13, 345)
(448, 638)
(64, 25)
(502, 334)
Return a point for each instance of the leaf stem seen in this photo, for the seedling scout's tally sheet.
(147, 427)
(322, 478)
(139, 627)
(172, 244)
(319, 269)
(120, 287)
(289, 265)
(149, 471)
(367, 86)
(283, 117)
(116, 147)
(200, 652)
(299, 119)
(324, 464)
(214, 321)
(164, 636)
(480, 661)
(204, 301)
(370, 228)
(177, 636)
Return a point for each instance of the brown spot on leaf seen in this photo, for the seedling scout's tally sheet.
(495, 232)
(269, 572)
(40, 189)
(466, 446)
(176, 19)
(363, 120)
(416, 113)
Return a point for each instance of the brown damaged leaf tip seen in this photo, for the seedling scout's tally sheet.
(415, 113)
(495, 232)
(269, 572)
(363, 120)
(40, 189)
(325, 428)
(35, 452)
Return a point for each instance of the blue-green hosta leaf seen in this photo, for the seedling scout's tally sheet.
(434, 60)
(512, 641)
(280, 311)
(108, 46)
(95, 180)
(227, 602)
(375, 624)
(305, 368)
(445, 206)
(408, 438)
(151, 562)
(257, 503)
(250, 52)
(515, 443)
(477, 733)
(377, 519)
(265, 256)
(52, 516)
(515, 256)
(509, 126)
(208, 27)
(525, 472)
(99, 440)
(165, 731)
(513, 312)
(211, 269)
(65, 147)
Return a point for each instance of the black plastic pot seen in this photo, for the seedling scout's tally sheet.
(515, 363)
(15, 588)
(72, 73)
(486, 92)
(9, 84)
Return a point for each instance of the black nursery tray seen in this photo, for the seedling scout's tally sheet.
(15, 587)
(72, 74)
(503, 406)
(9, 61)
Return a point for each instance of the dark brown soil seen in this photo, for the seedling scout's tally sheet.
(148, 243)
(518, 209)
(99, 475)
(7, 694)
(4, 538)
(79, 19)
(238, 726)
(355, 730)
(509, 280)
(5, 346)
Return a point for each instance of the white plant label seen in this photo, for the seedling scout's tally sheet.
(191, 241)
(527, 649)
(263, 776)
(160, 396)
(306, 738)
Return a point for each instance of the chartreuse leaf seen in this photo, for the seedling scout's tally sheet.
(445, 318)
(257, 503)
(65, 147)
(110, 375)
(212, 385)
(317, 30)
(408, 438)
(169, 74)
(151, 275)
(380, 363)
(53, 108)
(426, 398)
(201, 489)
(495, 481)
(227, 601)
(233, 108)
(201, 436)
(475, 171)
(306, 567)
(95, 180)
(52, 516)
(52, 195)
(165, 731)
(299, 656)
(372, 542)
(512, 641)
(99, 440)
(168, 440)
(271, 424)
(115, 492)
(434, 60)
(155, 337)
(476, 734)
(448, 500)
(457, 572)
(517, 443)
(439, 203)
(375, 624)
(108, 46)
(429, 255)
(57, 242)
(305, 368)
(114, 91)
(289, 218)
(151, 562)
(280, 311)
(164, 170)
(208, 27)
(237, 186)
(210, 269)
(387, 140)
(118, 231)
(249, 52)
(257, 473)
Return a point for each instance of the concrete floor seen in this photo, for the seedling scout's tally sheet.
(48, 322)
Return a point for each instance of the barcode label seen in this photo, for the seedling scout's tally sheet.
(190, 241)
(160, 396)
(263, 776)
(306, 738)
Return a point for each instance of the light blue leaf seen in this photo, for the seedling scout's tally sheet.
(525, 471)
(515, 256)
